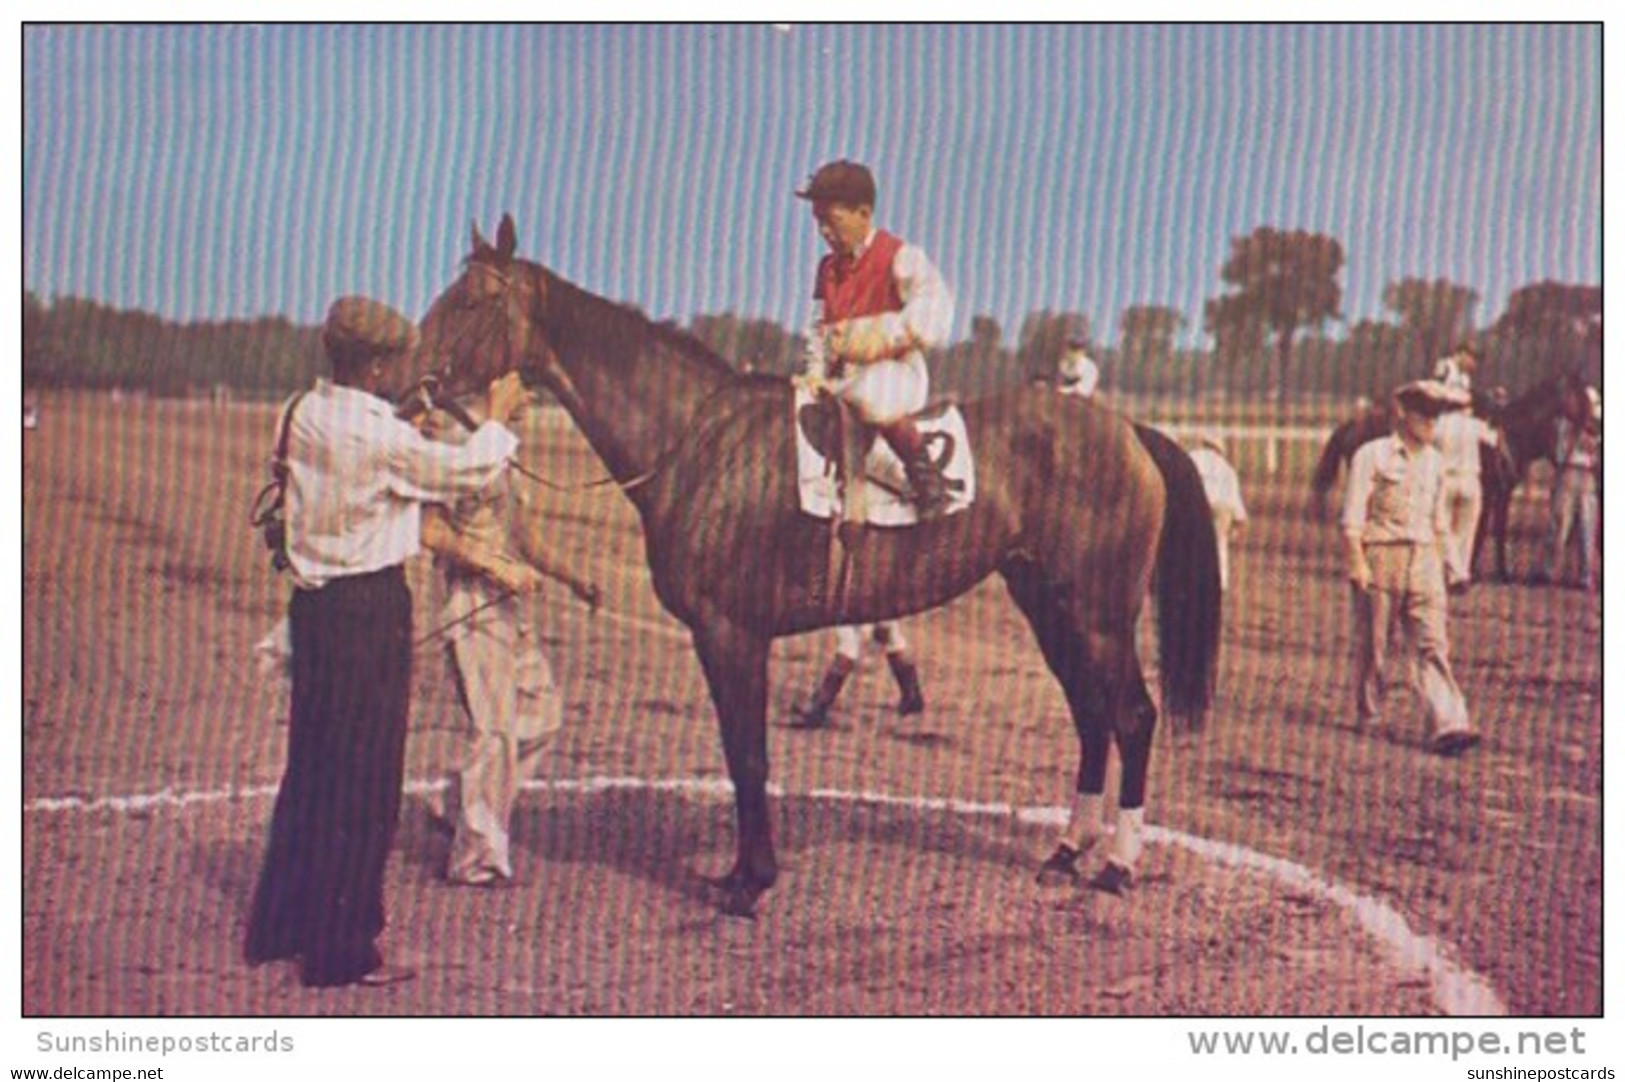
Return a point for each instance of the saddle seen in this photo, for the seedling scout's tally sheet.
(858, 478)
(855, 480)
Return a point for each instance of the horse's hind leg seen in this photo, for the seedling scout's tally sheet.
(1137, 723)
(1066, 654)
(735, 665)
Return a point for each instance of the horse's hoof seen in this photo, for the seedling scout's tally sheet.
(736, 894)
(1113, 879)
(1061, 869)
(740, 903)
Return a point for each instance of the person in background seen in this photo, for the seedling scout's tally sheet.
(1394, 531)
(1576, 460)
(357, 477)
(1460, 436)
(1456, 371)
(491, 548)
(1076, 373)
(1223, 488)
(888, 635)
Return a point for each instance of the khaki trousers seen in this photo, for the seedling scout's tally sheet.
(1224, 524)
(512, 706)
(1408, 593)
(1464, 501)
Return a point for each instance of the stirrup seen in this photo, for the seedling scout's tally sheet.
(928, 488)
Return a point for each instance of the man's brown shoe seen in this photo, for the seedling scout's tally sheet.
(387, 974)
(1454, 743)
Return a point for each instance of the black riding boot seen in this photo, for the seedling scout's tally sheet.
(910, 700)
(815, 715)
(925, 481)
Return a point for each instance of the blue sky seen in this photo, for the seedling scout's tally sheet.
(206, 172)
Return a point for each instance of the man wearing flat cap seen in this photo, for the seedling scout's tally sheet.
(1395, 526)
(880, 304)
(357, 477)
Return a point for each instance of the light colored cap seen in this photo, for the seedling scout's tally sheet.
(360, 324)
(1431, 397)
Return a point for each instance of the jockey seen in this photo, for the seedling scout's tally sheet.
(880, 304)
(1456, 371)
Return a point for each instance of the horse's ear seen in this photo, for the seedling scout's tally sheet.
(507, 238)
(479, 242)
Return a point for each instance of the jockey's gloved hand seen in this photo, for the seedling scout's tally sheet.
(867, 339)
(813, 383)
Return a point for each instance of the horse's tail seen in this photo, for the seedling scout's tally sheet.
(1185, 586)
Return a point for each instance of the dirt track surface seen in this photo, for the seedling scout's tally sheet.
(144, 592)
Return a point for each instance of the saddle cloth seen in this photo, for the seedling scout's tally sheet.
(886, 487)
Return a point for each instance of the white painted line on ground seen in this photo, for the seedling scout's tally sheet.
(1456, 989)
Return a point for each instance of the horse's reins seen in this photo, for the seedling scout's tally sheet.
(452, 625)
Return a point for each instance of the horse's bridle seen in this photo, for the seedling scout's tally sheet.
(432, 389)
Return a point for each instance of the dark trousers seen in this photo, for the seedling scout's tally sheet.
(321, 890)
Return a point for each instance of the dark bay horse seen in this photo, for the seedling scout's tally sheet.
(1528, 428)
(1078, 511)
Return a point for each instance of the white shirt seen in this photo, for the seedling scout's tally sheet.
(1448, 370)
(1393, 493)
(1457, 435)
(1077, 374)
(926, 319)
(1220, 482)
(357, 475)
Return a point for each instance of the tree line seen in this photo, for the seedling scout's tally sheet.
(1268, 333)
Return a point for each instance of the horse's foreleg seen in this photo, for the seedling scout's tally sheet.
(735, 665)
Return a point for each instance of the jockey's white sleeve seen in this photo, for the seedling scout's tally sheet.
(815, 358)
(928, 305)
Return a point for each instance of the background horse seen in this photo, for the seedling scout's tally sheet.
(1345, 439)
(1528, 428)
(1075, 509)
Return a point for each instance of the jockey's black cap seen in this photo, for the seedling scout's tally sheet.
(841, 182)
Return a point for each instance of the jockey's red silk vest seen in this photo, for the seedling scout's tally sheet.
(863, 287)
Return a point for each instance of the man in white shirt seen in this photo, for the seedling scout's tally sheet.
(357, 477)
(1393, 530)
(1459, 435)
(1456, 371)
(1223, 489)
(1077, 373)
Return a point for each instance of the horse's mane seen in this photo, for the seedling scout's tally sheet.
(574, 310)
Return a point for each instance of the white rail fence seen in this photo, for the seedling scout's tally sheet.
(1273, 437)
